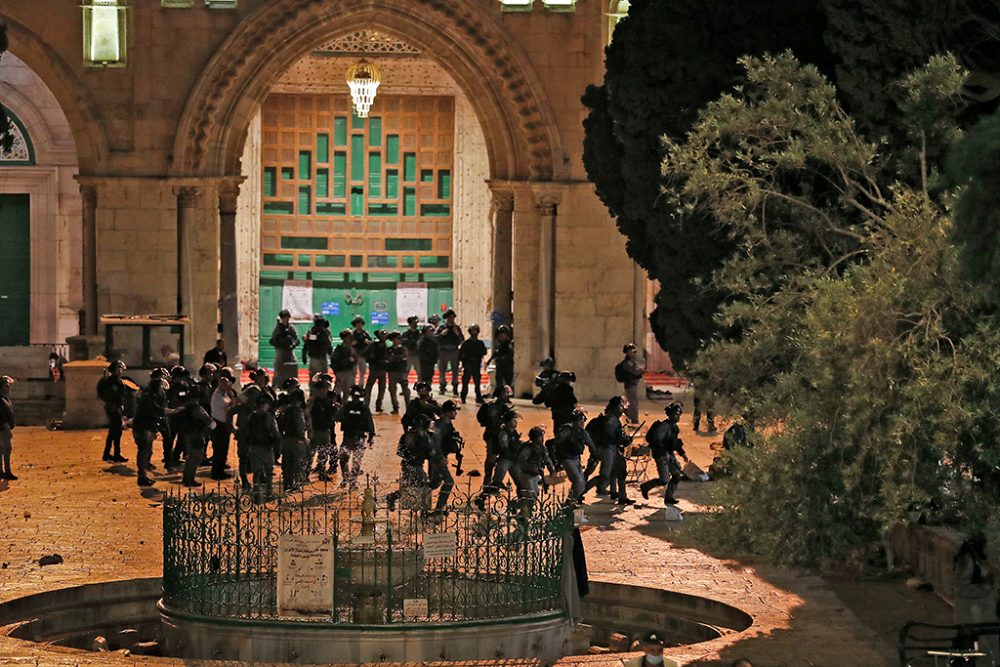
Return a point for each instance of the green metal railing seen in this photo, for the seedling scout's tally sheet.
(220, 555)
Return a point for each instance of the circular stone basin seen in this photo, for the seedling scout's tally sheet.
(127, 615)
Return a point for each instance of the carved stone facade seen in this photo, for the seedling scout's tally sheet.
(178, 115)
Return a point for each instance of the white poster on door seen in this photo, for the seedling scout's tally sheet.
(297, 298)
(411, 299)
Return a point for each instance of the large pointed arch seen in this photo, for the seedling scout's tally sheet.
(497, 77)
(74, 97)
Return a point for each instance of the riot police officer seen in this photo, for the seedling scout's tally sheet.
(572, 441)
(321, 411)
(318, 346)
(115, 396)
(360, 339)
(532, 462)
(344, 361)
(610, 442)
(413, 450)
(377, 357)
(284, 340)
(490, 417)
(446, 440)
(423, 404)
(245, 407)
(291, 418)
(428, 352)
(629, 373)
(358, 428)
(410, 338)
(263, 442)
(503, 356)
(471, 353)
(665, 445)
(6, 429)
(150, 418)
(559, 397)
(449, 336)
(397, 367)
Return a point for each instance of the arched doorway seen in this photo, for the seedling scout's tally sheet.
(519, 132)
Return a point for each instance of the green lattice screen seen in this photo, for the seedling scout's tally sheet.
(346, 193)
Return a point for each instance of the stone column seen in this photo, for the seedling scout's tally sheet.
(88, 194)
(187, 201)
(503, 218)
(228, 289)
(525, 244)
(546, 207)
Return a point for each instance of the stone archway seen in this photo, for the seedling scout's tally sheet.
(75, 99)
(520, 130)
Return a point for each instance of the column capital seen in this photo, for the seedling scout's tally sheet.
(187, 196)
(229, 194)
(546, 203)
(89, 194)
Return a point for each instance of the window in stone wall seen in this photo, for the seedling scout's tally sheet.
(22, 152)
(221, 4)
(559, 5)
(516, 5)
(179, 4)
(105, 36)
(376, 190)
(616, 12)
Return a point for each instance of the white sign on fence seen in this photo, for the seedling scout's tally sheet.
(414, 609)
(305, 575)
(411, 299)
(440, 545)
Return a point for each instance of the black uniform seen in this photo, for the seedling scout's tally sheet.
(503, 357)
(378, 355)
(291, 419)
(360, 340)
(263, 442)
(317, 348)
(284, 339)
(420, 406)
(358, 426)
(6, 446)
(115, 396)
(428, 352)
(664, 446)
(193, 427)
(560, 398)
(410, 338)
(322, 441)
(471, 353)
(150, 419)
(343, 361)
(489, 417)
(449, 338)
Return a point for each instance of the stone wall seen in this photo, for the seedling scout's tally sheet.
(55, 228)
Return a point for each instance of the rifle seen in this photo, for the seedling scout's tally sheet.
(631, 436)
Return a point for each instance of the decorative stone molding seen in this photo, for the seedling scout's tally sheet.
(19, 151)
(498, 78)
(546, 204)
(187, 197)
(503, 200)
(368, 42)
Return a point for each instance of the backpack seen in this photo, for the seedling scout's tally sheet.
(483, 415)
(595, 429)
(620, 375)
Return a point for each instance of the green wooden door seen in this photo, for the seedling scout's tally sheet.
(15, 270)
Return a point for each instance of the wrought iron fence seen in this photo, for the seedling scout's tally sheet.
(221, 545)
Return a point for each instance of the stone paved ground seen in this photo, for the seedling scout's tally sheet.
(93, 514)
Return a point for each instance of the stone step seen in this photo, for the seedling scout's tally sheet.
(38, 413)
(25, 362)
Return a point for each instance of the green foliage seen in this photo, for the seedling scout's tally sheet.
(863, 354)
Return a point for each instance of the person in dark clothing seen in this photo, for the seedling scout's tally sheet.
(263, 442)
(571, 442)
(115, 396)
(428, 352)
(414, 449)
(344, 361)
(321, 411)
(503, 356)
(318, 346)
(203, 389)
(610, 442)
(217, 355)
(284, 340)
(6, 429)
(150, 417)
(664, 446)
(193, 428)
(507, 445)
(445, 440)
(630, 373)
(423, 404)
(559, 397)
(471, 353)
(291, 417)
(360, 339)
(243, 410)
(532, 462)
(703, 403)
(449, 336)
(490, 417)
(396, 367)
(410, 337)
(378, 356)
(358, 428)
(177, 396)
(547, 372)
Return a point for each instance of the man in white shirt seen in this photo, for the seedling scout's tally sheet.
(223, 400)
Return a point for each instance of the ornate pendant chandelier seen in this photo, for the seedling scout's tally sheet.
(363, 78)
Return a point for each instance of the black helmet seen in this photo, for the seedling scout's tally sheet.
(536, 432)
(228, 373)
(502, 389)
(159, 372)
(510, 415)
(345, 334)
(434, 319)
(264, 398)
(616, 402)
(547, 361)
(381, 333)
(422, 386)
(629, 347)
(673, 409)
(421, 421)
(449, 406)
(503, 328)
(290, 383)
(568, 376)
(178, 371)
(474, 327)
(450, 313)
(207, 369)
(412, 319)
(116, 365)
(317, 318)
(578, 415)
(393, 335)
(357, 319)
(322, 377)
(428, 327)
(284, 312)
(356, 390)
(257, 374)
